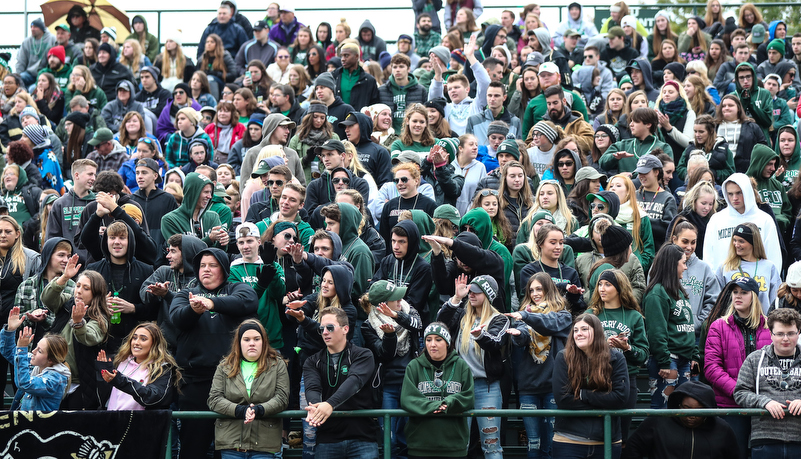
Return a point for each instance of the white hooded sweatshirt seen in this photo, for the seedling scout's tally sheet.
(721, 226)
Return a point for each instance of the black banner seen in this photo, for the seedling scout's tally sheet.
(84, 434)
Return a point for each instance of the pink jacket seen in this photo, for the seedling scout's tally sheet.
(725, 354)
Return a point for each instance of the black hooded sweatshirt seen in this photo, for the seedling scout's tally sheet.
(647, 79)
(190, 246)
(668, 438)
(321, 190)
(86, 238)
(337, 112)
(155, 205)
(107, 76)
(411, 271)
(233, 303)
(468, 248)
(154, 101)
(124, 281)
(373, 156)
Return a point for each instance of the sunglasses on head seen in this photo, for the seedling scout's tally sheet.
(485, 193)
(146, 140)
(343, 180)
(400, 180)
(275, 182)
(329, 327)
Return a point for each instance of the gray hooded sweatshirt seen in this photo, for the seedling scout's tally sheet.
(33, 51)
(703, 288)
(293, 161)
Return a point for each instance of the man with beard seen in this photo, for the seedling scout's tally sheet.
(569, 120)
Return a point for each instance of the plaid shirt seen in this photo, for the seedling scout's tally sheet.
(424, 43)
(29, 297)
(112, 161)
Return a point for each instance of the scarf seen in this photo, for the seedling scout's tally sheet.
(540, 346)
(224, 138)
(675, 110)
(626, 213)
(315, 138)
(560, 220)
(377, 319)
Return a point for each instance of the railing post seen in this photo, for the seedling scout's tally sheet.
(608, 436)
(168, 454)
(387, 436)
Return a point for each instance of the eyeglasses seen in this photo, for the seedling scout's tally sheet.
(601, 136)
(789, 335)
(288, 236)
(745, 77)
(565, 164)
(208, 117)
(536, 134)
(589, 56)
(400, 180)
(275, 182)
(501, 36)
(227, 93)
(691, 72)
(469, 229)
(338, 180)
(487, 192)
(330, 328)
(595, 206)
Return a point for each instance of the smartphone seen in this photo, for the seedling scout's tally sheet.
(260, 99)
(248, 74)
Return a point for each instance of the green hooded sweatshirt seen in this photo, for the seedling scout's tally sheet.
(180, 220)
(481, 222)
(16, 200)
(61, 75)
(669, 326)
(219, 206)
(151, 48)
(757, 102)
(435, 435)
(794, 164)
(634, 146)
(770, 189)
(399, 97)
(355, 251)
(270, 297)
(537, 109)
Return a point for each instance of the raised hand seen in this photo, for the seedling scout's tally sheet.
(460, 287)
(73, 267)
(384, 309)
(14, 319)
(79, 310)
(25, 338)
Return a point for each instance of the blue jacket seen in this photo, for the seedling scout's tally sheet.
(128, 173)
(35, 391)
(232, 34)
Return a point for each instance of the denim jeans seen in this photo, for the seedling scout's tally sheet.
(309, 432)
(231, 454)
(657, 384)
(776, 451)
(348, 449)
(488, 396)
(28, 78)
(538, 429)
(572, 451)
(391, 401)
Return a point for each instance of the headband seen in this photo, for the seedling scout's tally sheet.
(609, 276)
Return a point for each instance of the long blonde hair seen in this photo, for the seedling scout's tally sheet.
(28, 102)
(136, 59)
(87, 76)
(635, 215)
(159, 355)
(561, 205)
(487, 313)
(682, 95)
(755, 315)
(17, 253)
(355, 165)
(733, 260)
(180, 61)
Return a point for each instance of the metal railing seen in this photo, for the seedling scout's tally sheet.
(387, 415)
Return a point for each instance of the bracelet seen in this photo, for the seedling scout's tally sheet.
(78, 324)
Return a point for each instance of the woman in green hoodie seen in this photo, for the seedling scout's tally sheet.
(789, 156)
(669, 326)
(437, 382)
(148, 41)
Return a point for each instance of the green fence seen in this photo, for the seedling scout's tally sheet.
(607, 415)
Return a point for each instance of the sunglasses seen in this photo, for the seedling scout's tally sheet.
(596, 206)
(179, 92)
(485, 193)
(398, 180)
(207, 118)
(146, 140)
(338, 180)
(282, 57)
(288, 236)
(329, 327)
(275, 182)
(565, 164)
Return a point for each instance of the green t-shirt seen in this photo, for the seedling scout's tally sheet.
(248, 373)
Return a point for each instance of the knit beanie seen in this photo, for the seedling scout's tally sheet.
(485, 285)
(36, 134)
(498, 128)
(448, 212)
(105, 47)
(545, 129)
(678, 70)
(326, 80)
(189, 112)
(777, 44)
(451, 145)
(509, 146)
(624, 79)
(701, 23)
(458, 56)
(443, 53)
(373, 110)
(439, 329)
(79, 119)
(610, 130)
(110, 31)
(615, 240)
(184, 87)
(542, 214)
(438, 103)
(384, 58)
(59, 52)
(28, 111)
(39, 24)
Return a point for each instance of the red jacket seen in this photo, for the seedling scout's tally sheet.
(213, 131)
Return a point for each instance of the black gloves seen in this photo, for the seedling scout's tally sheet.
(241, 411)
(267, 252)
(266, 275)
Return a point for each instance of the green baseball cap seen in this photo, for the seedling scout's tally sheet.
(383, 291)
(102, 135)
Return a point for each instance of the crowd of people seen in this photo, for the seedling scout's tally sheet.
(500, 206)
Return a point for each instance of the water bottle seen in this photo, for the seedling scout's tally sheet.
(115, 317)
